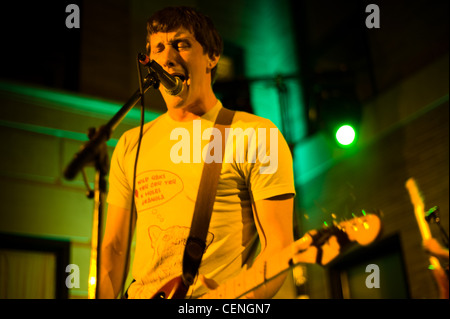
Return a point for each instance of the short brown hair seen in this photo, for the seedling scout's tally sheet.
(200, 25)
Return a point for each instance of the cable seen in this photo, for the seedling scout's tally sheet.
(132, 208)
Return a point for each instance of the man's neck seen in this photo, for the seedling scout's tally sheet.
(192, 111)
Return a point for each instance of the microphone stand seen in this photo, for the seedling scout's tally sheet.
(94, 151)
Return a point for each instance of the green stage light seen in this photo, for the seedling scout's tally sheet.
(345, 135)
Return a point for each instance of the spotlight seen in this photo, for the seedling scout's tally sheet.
(345, 135)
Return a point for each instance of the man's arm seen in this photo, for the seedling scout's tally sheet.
(274, 222)
(114, 251)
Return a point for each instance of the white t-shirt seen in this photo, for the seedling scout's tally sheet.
(167, 179)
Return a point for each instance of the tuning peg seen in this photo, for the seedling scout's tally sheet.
(432, 213)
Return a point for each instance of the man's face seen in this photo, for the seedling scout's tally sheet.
(179, 53)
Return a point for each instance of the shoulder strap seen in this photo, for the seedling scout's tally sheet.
(196, 242)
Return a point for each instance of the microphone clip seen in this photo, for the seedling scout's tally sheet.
(152, 79)
(173, 84)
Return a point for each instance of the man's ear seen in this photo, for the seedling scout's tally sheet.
(212, 61)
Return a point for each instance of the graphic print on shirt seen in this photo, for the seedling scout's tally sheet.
(156, 187)
(167, 246)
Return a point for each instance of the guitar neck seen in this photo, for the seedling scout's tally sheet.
(419, 211)
(252, 278)
(262, 272)
(419, 208)
(363, 230)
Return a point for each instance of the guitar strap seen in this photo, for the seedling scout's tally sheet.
(196, 242)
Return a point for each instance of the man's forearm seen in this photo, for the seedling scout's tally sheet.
(111, 272)
(271, 287)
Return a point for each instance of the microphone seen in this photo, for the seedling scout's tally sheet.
(172, 84)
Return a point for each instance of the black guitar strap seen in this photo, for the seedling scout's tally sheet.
(196, 242)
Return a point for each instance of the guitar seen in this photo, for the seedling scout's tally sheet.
(316, 246)
(419, 211)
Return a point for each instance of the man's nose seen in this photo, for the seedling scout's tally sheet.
(169, 57)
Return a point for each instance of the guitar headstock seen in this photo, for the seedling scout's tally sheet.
(331, 241)
(419, 207)
(415, 195)
(364, 230)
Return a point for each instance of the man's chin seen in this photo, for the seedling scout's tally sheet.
(177, 101)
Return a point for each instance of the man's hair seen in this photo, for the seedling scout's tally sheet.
(201, 26)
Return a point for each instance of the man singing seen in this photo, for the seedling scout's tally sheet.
(251, 207)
